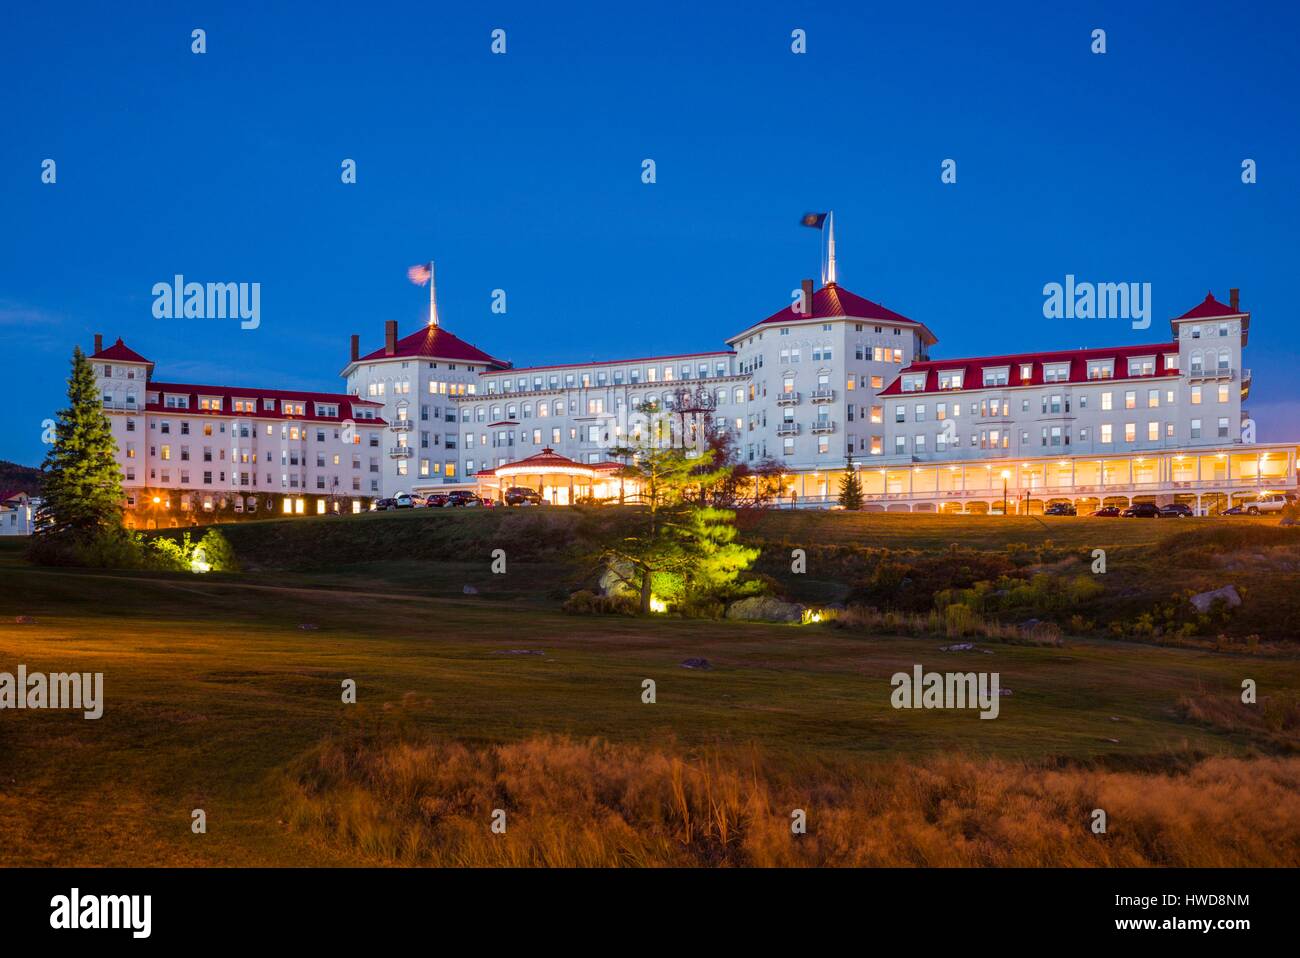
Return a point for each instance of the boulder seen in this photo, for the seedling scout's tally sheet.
(696, 664)
(959, 647)
(1288, 521)
(1204, 601)
(470, 590)
(761, 608)
(613, 581)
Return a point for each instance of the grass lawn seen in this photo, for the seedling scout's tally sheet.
(212, 688)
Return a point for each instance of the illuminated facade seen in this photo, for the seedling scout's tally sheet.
(836, 375)
(831, 378)
(192, 451)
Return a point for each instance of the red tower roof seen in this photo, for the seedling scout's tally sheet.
(435, 342)
(1209, 308)
(835, 302)
(120, 352)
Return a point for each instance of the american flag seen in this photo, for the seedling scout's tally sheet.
(419, 275)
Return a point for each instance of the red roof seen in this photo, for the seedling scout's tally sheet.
(9, 495)
(972, 370)
(1209, 308)
(831, 301)
(551, 459)
(435, 342)
(227, 394)
(120, 352)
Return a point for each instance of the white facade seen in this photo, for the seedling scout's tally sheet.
(17, 513)
(832, 377)
(186, 449)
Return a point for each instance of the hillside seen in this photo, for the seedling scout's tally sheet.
(1010, 569)
(24, 478)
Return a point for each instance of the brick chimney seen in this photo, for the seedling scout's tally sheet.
(356, 347)
(808, 297)
(390, 337)
(99, 343)
(1234, 299)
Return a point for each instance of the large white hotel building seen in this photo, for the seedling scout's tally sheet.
(831, 377)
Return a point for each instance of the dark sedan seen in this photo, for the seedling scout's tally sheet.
(1177, 510)
(1142, 510)
(1107, 512)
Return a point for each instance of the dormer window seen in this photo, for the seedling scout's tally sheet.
(1101, 369)
(1142, 366)
(997, 376)
(950, 380)
(914, 382)
(1026, 371)
(1056, 372)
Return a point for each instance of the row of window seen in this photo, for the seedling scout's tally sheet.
(1050, 436)
(1050, 404)
(616, 377)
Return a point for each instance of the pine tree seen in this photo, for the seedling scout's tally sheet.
(82, 493)
(850, 487)
(680, 545)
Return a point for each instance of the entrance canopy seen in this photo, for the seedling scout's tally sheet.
(558, 479)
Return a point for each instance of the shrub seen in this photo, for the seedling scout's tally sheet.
(585, 602)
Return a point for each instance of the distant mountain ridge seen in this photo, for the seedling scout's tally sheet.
(24, 478)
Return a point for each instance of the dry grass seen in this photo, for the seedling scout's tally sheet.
(1274, 718)
(953, 622)
(592, 803)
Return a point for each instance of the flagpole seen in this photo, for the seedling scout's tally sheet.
(829, 275)
(433, 298)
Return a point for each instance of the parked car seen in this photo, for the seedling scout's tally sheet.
(1270, 502)
(1142, 510)
(403, 500)
(1176, 510)
(382, 505)
(462, 497)
(1234, 511)
(523, 496)
(436, 500)
(1060, 509)
(1107, 512)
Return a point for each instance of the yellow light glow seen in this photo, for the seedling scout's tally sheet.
(156, 500)
(657, 604)
(811, 616)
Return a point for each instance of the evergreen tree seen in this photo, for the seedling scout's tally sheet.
(82, 493)
(850, 487)
(679, 545)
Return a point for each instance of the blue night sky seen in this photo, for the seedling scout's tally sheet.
(522, 172)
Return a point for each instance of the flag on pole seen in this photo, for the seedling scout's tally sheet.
(814, 220)
(419, 275)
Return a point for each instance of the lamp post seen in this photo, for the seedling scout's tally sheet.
(1005, 476)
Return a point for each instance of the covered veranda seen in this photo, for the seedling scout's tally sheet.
(559, 480)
